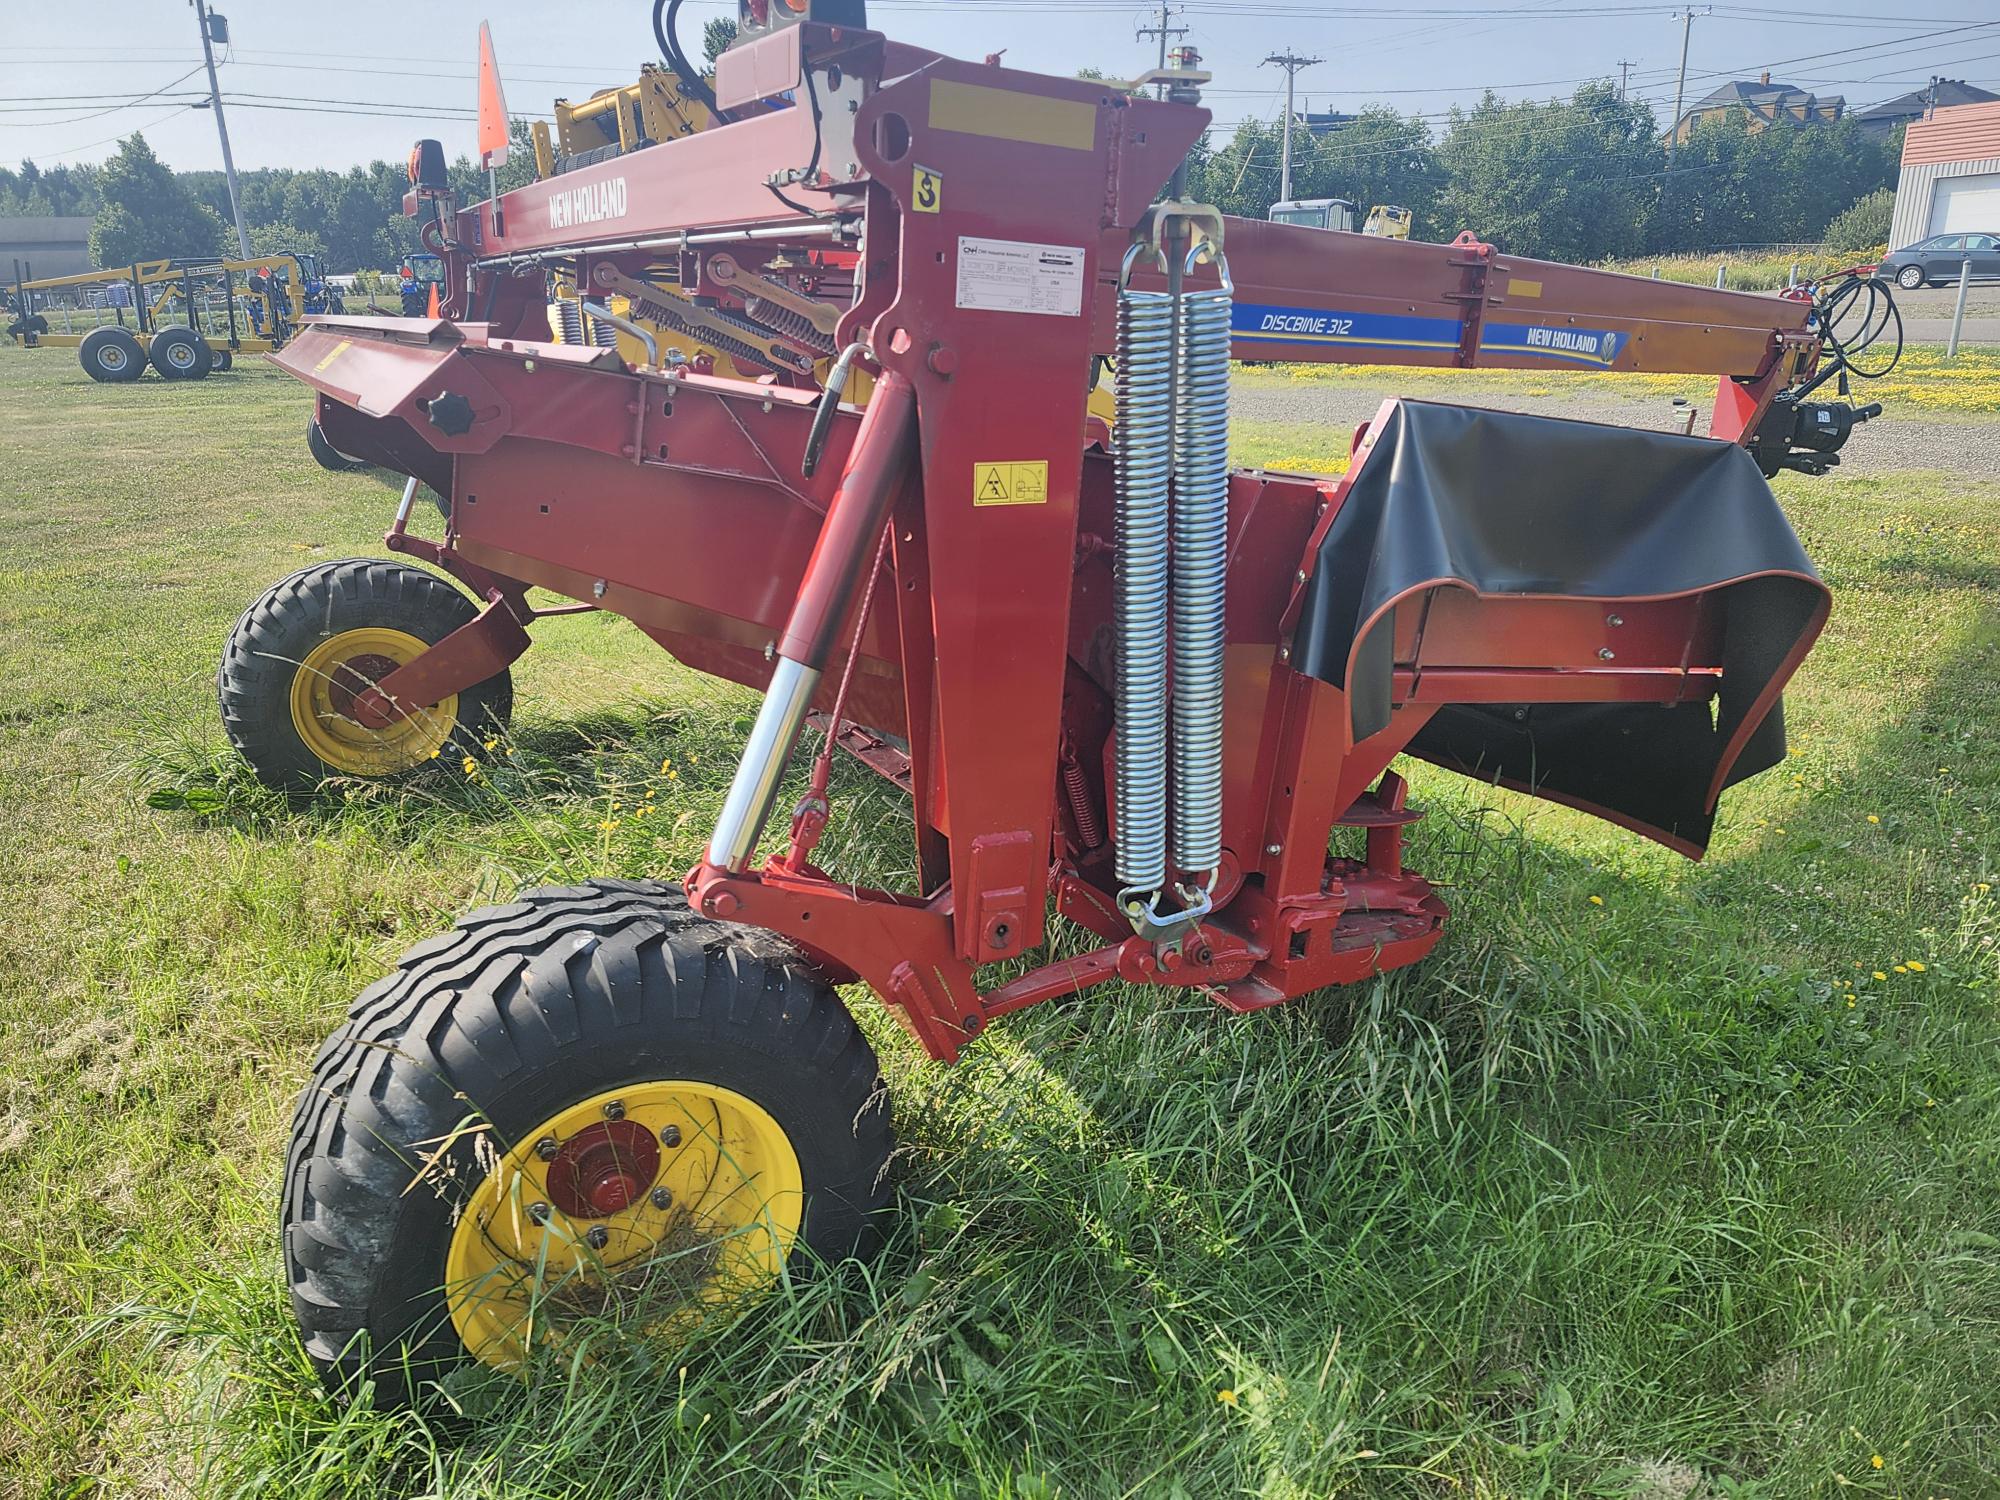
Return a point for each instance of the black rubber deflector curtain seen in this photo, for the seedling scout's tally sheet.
(1506, 504)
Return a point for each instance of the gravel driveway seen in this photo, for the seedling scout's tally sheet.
(1966, 447)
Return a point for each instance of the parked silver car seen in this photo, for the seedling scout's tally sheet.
(1940, 260)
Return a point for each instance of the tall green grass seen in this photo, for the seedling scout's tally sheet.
(1612, 1196)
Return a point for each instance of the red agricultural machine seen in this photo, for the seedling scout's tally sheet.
(1117, 680)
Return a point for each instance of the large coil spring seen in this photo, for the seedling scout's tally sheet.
(789, 323)
(1143, 465)
(1200, 560)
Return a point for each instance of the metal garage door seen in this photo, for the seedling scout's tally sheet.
(1962, 203)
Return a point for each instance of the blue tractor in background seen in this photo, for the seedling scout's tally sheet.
(421, 272)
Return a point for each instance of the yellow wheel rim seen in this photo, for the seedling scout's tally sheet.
(323, 691)
(711, 1197)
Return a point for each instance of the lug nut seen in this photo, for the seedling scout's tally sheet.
(539, 1212)
(662, 1198)
(615, 1110)
(547, 1149)
(597, 1237)
(670, 1135)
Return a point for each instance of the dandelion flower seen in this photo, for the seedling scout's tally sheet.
(1850, 1002)
(436, 753)
(665, 766)
(1915, 967)
(673, 776)
(1902, 968)
(1983, 887)
(1777, 830)
(1880, 975)
(471, 765)
(492, 745)
(1873, 819)
(1596, 900)
(608, 824)
(1226, 1396)
(615, 805)
(1875, 1460)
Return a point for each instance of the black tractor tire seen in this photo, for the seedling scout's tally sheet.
(298, 615)
(111, 354)
(181, 354)
(325, 454)
(518, 1013)
(1909, 278)
(225, 359)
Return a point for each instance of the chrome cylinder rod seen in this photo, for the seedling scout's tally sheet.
(882, 451)
(755, 788)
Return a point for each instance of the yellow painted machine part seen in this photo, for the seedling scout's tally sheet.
(517, 1267)
(155, 272)
(346, 745)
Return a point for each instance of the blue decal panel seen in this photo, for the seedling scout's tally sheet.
(1261, 323)
(1593, 348)
(1266, 323)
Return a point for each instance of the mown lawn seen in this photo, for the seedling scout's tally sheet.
(1658, 1180)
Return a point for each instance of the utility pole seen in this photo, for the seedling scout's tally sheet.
(216, 28)
(1680, 87)
(1291, 63)
(1624, 70)
(1162, 31)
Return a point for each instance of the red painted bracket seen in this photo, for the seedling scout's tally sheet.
(493, 639)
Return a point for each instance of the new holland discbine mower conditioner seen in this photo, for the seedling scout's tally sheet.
(1111, 674)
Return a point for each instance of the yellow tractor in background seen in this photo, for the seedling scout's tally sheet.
(1389, 222)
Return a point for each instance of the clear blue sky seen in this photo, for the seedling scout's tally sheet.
(332, 84)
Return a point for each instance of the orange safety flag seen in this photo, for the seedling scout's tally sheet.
(493, 134)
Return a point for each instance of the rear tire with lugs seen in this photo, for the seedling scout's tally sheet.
(299, 655)
(591, 1101)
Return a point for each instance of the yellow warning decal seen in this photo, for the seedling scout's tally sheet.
(927, 192)
(334, 353)
(1010, 483)
(1010, 115)
(1521, 288)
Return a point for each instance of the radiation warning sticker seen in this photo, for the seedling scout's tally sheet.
(927, 191)
(1011, 483)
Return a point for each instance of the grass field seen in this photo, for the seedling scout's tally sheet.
(1658, 1180)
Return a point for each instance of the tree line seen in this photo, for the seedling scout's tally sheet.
(1582, 179)
(142, 208)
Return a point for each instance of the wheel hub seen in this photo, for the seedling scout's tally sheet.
(666, 1198)
(353, 677)
(603, 1169)
(334, 674)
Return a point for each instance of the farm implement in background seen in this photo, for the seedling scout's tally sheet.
(1116, 679)
(184, 317)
